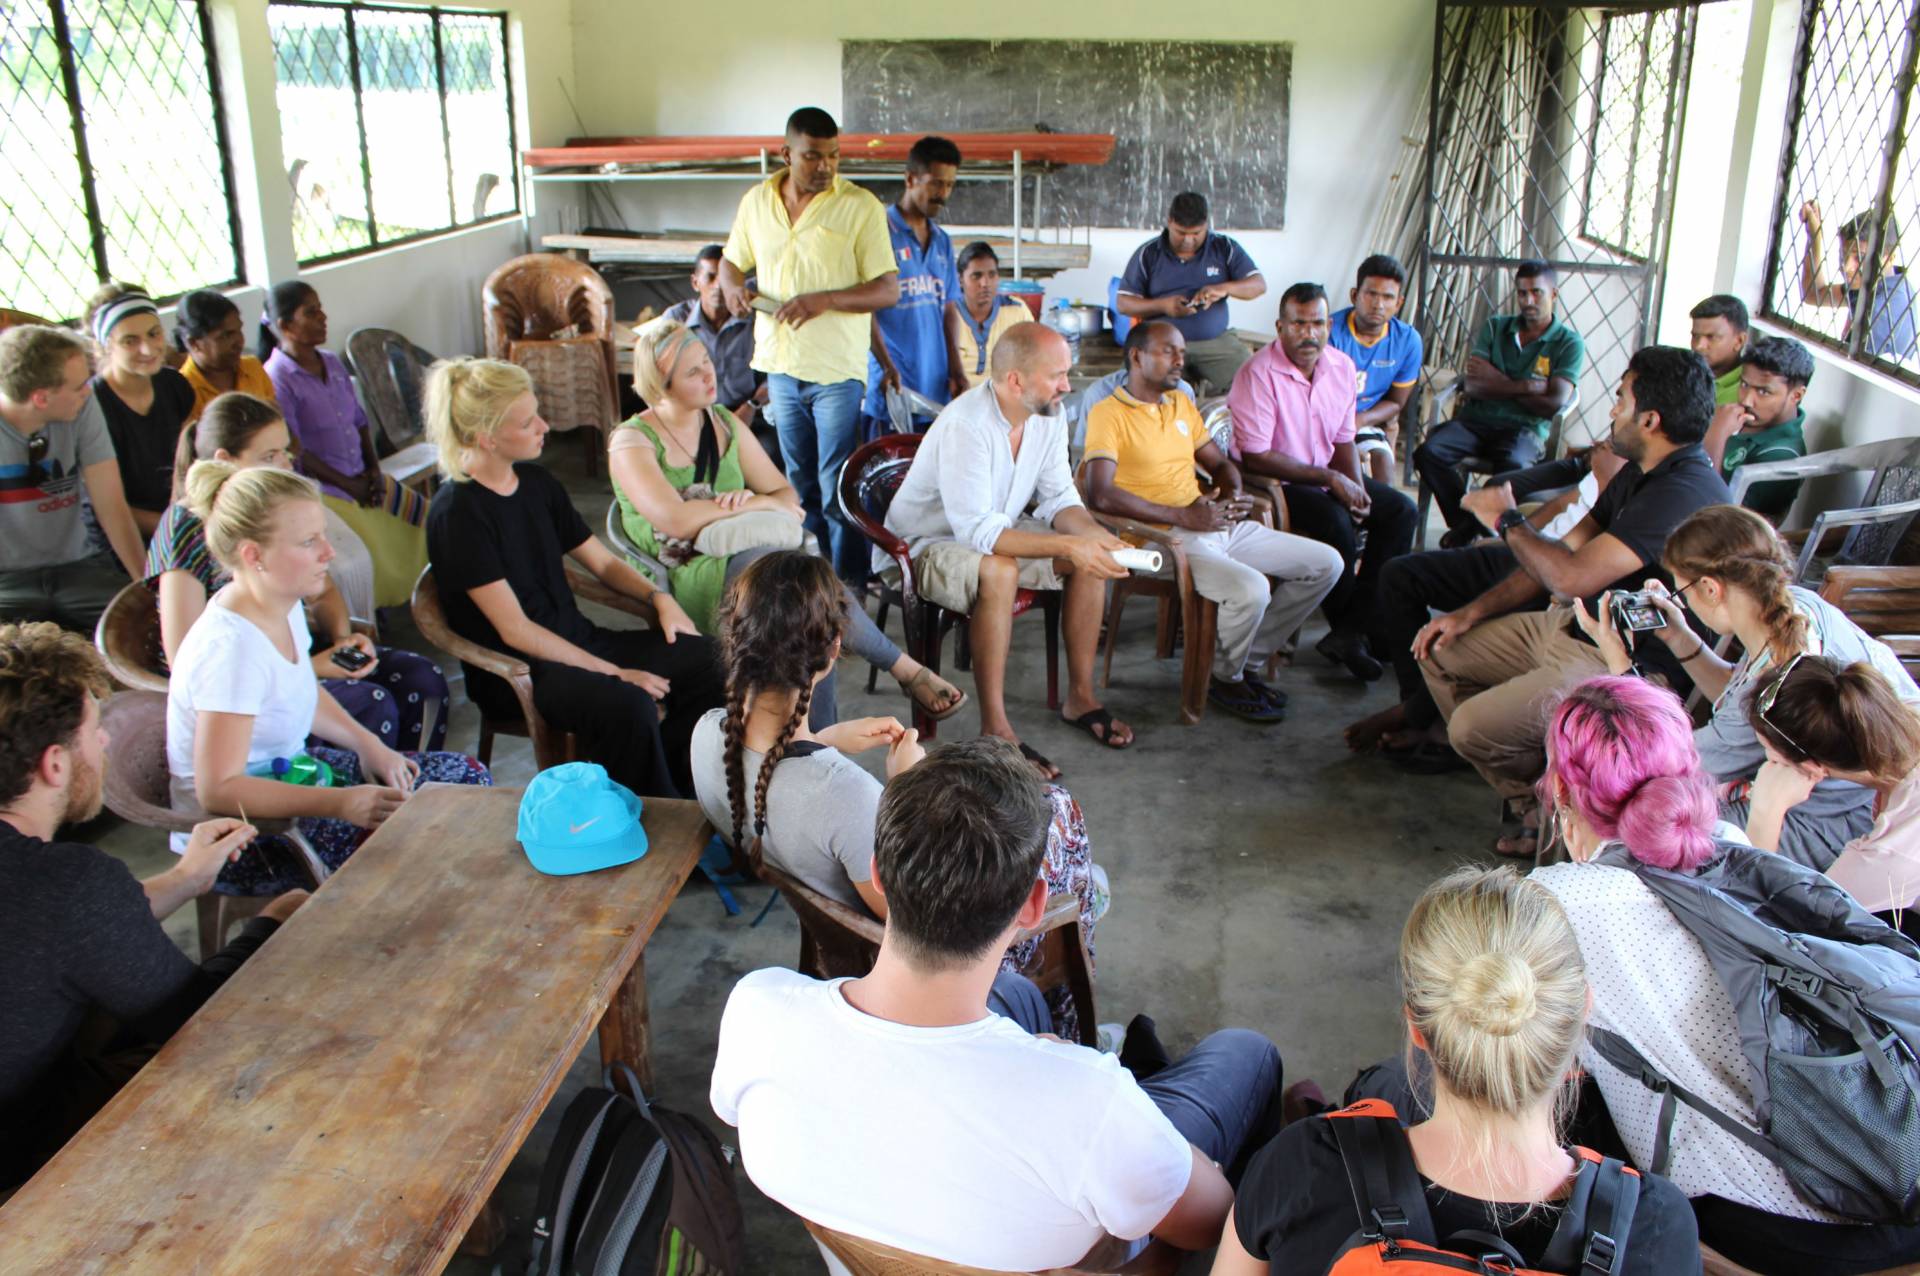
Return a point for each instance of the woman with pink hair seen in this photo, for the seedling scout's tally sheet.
(1623, 772)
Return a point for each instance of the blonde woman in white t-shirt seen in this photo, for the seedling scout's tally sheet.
(1622, 770)
(243, 693)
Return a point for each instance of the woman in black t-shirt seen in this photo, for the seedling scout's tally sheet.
(1496, 999)
(144, 401)
(498, 533)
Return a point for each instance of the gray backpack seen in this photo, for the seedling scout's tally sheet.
(1828, 1001)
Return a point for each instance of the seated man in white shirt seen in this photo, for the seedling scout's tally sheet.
(922, 1107)
(962, 510)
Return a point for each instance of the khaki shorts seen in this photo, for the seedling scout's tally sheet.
(947, 573)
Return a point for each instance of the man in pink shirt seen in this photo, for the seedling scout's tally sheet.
(1293, 409)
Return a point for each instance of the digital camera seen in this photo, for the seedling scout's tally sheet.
(1636, 613)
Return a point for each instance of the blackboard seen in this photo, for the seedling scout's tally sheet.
(1184, 115)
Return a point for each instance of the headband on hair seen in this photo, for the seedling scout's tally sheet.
(126, 304)
(666, 354)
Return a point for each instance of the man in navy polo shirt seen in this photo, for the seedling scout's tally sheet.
(1386, 353)
(729, 342)
(1186, 274)
(913, 345)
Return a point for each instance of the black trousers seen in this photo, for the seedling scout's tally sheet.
(1312, 512)
(1548, 476)
(1506, 447)
(643, 745)
(1412, 587)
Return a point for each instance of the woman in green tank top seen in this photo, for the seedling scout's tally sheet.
(686, 463)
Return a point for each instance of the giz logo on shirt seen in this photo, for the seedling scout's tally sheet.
(1212, 271)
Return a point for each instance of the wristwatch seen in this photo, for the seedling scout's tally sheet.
(1508, 520)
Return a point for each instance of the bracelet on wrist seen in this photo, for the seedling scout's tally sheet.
(1698, 647)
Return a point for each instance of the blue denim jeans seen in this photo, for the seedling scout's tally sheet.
(819, 426)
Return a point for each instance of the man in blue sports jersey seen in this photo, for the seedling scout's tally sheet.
(1386, 354)
(913, 346)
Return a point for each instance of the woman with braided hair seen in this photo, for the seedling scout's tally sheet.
(761, 771)
(1737, 579)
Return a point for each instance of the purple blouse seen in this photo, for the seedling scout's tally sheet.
(324, 416)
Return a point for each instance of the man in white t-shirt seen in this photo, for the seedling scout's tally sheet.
(923, 1108)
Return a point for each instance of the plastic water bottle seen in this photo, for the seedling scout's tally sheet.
(1056, 320)
(301, 768)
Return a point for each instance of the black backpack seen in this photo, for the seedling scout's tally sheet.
(634, 1188)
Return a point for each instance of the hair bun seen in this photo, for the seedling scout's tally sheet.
(204, 482)
(1495, 994)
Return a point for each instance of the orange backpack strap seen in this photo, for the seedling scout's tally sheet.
(1387, 1193)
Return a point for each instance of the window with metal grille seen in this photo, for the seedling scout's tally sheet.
(394, 123)
(1634, 62)
(115, 164)
(1850, 185)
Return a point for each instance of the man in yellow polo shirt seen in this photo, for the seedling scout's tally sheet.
(824, 263)
(1142, 444)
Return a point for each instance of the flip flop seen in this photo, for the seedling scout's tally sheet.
(1524, 846)
(1039, 760)
(925, 679)
(1097, 718)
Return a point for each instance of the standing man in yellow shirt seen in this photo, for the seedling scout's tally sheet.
(824, 261)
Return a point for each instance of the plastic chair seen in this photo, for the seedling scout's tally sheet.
(867, 485)
(1871, 534)
(128, 637)
(138, 790)
(554, 316)
(1485, 467)
(646, 564)
(1122, 324)
(391, 371)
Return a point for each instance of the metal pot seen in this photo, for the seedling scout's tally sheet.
(1082, 321)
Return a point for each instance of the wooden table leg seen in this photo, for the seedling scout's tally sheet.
(624, 1033)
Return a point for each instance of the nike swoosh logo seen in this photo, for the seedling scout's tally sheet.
(575, 828)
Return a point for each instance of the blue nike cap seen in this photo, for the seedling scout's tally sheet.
(574, 818)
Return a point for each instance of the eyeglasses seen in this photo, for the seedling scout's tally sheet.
(36, 457)
(1771, 692)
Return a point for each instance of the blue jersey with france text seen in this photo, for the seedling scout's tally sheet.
(915, 327)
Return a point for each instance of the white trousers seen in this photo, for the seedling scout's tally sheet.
(1267, 583)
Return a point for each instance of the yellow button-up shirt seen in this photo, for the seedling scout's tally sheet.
(841, 241)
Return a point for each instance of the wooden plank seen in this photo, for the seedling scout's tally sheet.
(349, 1099)
(1038, 148)
(673, 250)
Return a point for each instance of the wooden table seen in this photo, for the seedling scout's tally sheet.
(347, 1101)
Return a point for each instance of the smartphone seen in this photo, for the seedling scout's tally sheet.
(352, 659)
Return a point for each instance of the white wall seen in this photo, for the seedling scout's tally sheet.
(1356, 82)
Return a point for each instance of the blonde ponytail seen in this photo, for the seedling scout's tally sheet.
(239, 505)
(465, 400)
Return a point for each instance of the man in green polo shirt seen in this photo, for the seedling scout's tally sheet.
(1720, 337)
(1766, 423)
(1522, 371)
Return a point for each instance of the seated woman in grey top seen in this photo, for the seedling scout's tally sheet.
(1737, 578)
(760, 771)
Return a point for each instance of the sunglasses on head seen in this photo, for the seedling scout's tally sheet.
(1771, 693)
(36, 457)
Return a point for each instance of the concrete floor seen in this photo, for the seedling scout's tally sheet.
(1260, 878)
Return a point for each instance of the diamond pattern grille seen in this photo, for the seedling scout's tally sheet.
(1853, 104)
(155, 153)
(1553, 139)
(394, 123)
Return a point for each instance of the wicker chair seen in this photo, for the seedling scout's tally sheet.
(128, 637)
(137, 790)
(867, 485)
(554, 316)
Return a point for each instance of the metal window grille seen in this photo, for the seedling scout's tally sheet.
(395, 123)
(1849, 185)
(116, 162)
(1551, 135)
(1633, 64)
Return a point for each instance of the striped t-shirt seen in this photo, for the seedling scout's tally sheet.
(180, 545)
